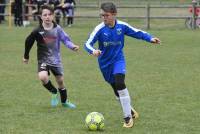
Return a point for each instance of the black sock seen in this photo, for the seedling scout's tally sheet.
(114, 89)
(63, 94)
(68, 21)
(71, 20)
(50, 87)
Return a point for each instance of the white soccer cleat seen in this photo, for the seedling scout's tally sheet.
(134, 114)
(128, 122)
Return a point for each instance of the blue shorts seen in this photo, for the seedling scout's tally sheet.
(111, 70)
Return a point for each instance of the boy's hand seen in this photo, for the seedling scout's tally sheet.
(75, 48)
(155, 41)
(96, 53)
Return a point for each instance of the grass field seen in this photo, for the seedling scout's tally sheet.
(163, 82)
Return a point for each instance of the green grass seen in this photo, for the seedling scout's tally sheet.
(163, 82)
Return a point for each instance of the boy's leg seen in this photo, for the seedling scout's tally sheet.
(68, 21)
(123, 94)
(115, 75)
(15, 20)
(58, 73)
(63, 93)
(124, 99)
(133, 112)
(43, 76)
(119, 71)
(61, 88)
(71, 20)
(115, 90)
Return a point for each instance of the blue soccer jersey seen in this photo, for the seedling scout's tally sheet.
(111, 41)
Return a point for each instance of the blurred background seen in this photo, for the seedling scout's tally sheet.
(142, 13)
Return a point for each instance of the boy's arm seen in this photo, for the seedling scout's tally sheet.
(137, 33)
(67, 41)
(89, 45)
(28, 45)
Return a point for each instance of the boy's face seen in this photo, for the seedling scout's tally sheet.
(107, 17)
(47, 16)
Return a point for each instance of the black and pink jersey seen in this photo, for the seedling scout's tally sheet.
(48, 44)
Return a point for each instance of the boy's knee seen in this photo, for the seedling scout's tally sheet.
(43, 77)
(120, 81)
(120, 86)
(60, 82)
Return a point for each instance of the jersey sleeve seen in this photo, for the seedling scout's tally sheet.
(30, 39)
(66, 39)
(137, 33)
(93, 37)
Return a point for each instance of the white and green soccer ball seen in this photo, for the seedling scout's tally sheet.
(94, 121)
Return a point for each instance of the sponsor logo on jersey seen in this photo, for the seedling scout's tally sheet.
(42, 32)
(105, 34)
(111, 43)
(49, 39)
(43, 66)
(119, 31)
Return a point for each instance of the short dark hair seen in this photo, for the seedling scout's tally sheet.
(48, 7)
(109, 7)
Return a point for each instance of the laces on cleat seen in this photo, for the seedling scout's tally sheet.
(127, 119)
(128, 122)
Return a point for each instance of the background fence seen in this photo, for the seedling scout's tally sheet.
(143, 11)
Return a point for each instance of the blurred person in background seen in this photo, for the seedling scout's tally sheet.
(36, 10)
(2, 10)
(69, 6)
(18, 18)
(58, 10)
(26, 21)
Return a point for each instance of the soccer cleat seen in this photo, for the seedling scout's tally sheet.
(128, 122)
(68, 104)
(54, 100)
(134, 114)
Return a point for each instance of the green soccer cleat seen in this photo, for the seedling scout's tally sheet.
(54, 100)
(68, 104)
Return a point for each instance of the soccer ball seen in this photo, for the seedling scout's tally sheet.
(94, 121)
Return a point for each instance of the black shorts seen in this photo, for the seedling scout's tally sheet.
(55, 70)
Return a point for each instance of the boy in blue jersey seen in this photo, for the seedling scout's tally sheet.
(49, 36)
(110, 36)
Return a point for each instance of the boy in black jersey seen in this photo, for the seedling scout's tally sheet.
(48, 37)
